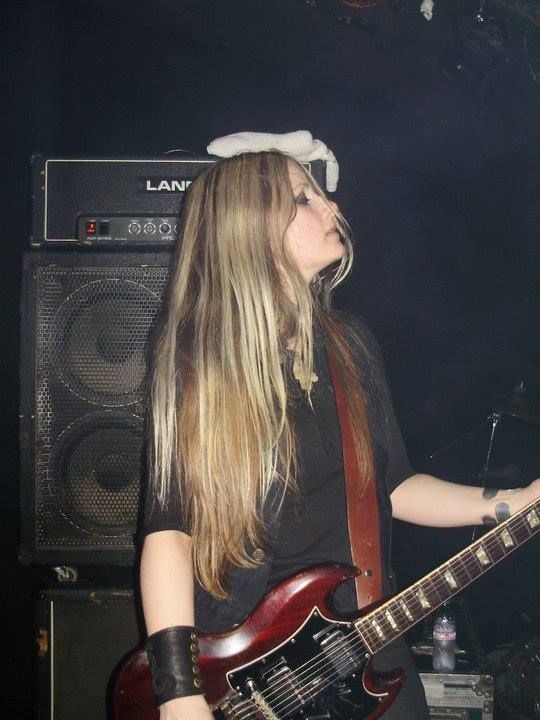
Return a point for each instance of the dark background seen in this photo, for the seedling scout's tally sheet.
(435, 126)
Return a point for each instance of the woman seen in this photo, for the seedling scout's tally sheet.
(247, 482)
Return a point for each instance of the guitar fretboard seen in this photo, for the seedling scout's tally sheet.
(407, 608)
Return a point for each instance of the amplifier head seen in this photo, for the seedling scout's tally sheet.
(114, 202)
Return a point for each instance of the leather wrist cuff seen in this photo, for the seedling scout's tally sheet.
(174, 668)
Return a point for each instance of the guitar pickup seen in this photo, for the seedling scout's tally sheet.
(337, 648)
(278, 673)
(275, 671)
(282, 675)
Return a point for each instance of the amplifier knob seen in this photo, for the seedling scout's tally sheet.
(149, 228)
(134, 228)
(165, 228)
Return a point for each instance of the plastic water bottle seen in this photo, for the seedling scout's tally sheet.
(444, 639)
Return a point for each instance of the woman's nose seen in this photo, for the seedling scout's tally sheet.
(334, 206)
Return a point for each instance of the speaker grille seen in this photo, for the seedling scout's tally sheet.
(98, 335)
(92, 329)
(94, 478)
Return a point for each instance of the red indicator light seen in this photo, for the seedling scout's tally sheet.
(90, 228)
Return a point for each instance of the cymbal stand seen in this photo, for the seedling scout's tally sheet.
(495, 420)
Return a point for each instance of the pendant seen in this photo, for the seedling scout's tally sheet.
(302, 377)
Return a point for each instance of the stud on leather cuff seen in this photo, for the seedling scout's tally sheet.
(174, 668)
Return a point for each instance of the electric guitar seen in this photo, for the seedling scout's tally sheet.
(294, 657)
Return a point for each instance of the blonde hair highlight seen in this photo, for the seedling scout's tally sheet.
(218, 402)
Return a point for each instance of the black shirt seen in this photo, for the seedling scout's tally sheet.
(313, 526)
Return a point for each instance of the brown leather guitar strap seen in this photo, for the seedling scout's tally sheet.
(362, 506)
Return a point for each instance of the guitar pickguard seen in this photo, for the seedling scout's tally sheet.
(316, 674)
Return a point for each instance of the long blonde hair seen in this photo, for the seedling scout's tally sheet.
(219, 406)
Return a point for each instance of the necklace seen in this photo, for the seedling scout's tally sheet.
(301, 375)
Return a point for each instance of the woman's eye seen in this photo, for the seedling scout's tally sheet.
(302, 199)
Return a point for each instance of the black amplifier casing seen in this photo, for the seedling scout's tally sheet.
(82, 634)
(87, 320)
(114, 202)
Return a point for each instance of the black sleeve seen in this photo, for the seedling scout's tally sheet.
(382, 418)
(157, 516)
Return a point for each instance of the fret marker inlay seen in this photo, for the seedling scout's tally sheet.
(378, 629)
(507, 538)
(391, 620)
(451, 580)
(533, 519)
(482, 556)
(424, 602)
(406, 610)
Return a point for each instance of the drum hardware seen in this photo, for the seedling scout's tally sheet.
(517, 403)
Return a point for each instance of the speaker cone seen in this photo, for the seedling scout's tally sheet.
(95, 472)
(98, 340)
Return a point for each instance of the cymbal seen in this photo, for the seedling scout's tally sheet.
(518, 404)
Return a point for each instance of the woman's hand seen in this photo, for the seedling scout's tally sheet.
(193, 707)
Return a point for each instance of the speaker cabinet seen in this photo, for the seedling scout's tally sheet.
(82, 635)
(86, 323)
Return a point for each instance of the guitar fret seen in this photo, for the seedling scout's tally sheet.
(471, 564)
(497, 549)
(378, 629)
(432, 591)
(414, 604)
(417, 601)
(482, 555)
(459, 569)
(363, 630)
(474, 568)
(450, 579)
(391, 621)
(389, 631)
(533, 519)
(507, 539)
(521, 531)
(422, 599)
(404, 610)
(385, 630)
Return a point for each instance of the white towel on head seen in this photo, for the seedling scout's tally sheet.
(299, 144)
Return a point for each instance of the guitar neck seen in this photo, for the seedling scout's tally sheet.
(404, 610)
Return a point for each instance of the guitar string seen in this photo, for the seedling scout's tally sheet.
(352, 644)
(468, 561)
(395, 634)
(330, 678)
(346, 653)
(311, 664)
(439, 572)
(273, 695)
(371, 635)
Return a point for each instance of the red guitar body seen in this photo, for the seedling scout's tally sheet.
(292, 657)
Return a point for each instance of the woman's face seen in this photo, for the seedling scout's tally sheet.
(311, 238)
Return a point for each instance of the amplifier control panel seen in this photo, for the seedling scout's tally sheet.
(127, 230)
